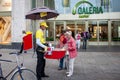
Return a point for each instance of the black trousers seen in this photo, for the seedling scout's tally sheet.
(40, 68)
(21, 50)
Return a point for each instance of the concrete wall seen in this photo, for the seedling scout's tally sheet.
(19, 9)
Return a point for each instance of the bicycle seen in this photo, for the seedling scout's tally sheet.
(19, 72)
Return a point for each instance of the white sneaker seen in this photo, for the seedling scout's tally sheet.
(69, 75)
(67, 72)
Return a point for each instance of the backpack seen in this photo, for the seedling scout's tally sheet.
(88, 35)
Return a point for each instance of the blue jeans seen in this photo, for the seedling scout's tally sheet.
(84, 43)
(61, 62)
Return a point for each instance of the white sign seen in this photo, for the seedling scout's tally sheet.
(5, 5)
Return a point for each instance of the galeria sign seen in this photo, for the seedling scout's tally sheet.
(84, 12)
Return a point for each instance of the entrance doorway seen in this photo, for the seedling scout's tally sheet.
(76, 26)
(98, 30)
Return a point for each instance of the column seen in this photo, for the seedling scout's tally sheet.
(97, 32)
(109, 32)
(86, 25)
(76, 27)
(18, 20)
(54, 24)
(86, 29)
(64, 25)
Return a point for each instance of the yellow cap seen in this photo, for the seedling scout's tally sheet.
(28, 32)
(43, 24)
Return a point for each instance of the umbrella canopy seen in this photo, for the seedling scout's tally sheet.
(41, 13)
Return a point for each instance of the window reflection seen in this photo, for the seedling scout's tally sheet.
(93, 30)
(103, 30)
(115, 31)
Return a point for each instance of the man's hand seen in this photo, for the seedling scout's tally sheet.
(45, 49)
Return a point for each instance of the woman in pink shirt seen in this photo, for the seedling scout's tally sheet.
(78, 40)
(71, 48)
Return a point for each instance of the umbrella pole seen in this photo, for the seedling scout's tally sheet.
(34, 40)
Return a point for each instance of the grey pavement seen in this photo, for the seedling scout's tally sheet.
(89, 65)
(100, 48)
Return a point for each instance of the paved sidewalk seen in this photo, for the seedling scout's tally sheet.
(88, 65)
(100, 49)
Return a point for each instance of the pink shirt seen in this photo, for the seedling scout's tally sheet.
(72, 47)
(78, 36)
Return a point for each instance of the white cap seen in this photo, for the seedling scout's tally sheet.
(69, 32)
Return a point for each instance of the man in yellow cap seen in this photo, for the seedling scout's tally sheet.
(41, 48)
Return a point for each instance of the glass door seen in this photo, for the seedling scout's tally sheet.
(115, 31)
(103, 31)
(98, 31)
(76, 26)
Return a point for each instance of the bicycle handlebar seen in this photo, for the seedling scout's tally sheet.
(6, 60)
(16, 53)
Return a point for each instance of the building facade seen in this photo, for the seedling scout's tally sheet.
(104, 27)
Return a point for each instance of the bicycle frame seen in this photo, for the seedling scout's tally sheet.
(18, 72)
(16, 68)
(10, 72)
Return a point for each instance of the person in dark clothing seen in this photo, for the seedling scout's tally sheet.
(22, 44)
(84, 34)
(41, 49)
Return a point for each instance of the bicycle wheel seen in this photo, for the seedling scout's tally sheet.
(26, 74)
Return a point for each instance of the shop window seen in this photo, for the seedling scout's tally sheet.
(64, 6)
(59, 28)
(106, 4)
(49, 3)
(93, 30)
(71, 27)
(50, 31)
(81, 27)
(33, 3)
(115, 31)
(5, 30)
(103, 31)
(66, 3)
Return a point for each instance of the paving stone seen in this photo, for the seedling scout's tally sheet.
(88, 65)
